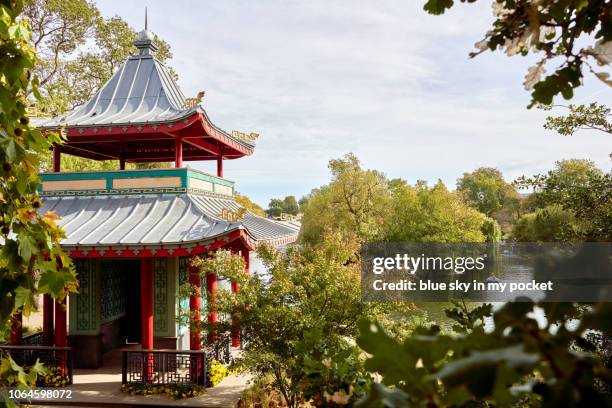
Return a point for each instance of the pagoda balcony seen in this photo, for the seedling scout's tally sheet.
(133, 181)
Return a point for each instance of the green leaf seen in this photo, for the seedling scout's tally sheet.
(437, 7)
(383, 397)
(27, 247)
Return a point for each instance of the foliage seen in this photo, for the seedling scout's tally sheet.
(297, 315)
(552, 223)
(424, 214)
(555, 30)
(517, 362)
(70, 70)
(13, 375)
(247, 203)
(581, 117)
(579, 187)
(354, 205)
(54, 377)
(174, 391)
(486, 190)
(33, 260)
(216, 372)
(288, 205)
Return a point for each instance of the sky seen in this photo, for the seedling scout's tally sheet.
(384, 80)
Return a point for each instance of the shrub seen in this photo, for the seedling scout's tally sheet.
(174, 391)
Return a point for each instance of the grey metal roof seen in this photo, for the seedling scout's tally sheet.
(153, 219)
(142, 91)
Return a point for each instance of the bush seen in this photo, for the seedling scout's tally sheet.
(53, 378)
(174, 391)
(216, 373)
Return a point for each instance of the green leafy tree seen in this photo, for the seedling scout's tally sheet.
(299, 319)
(433, 214)
(549, 224)
(70, 71)
(354, 204)
(249, 205)
(290, 205)
(32, 259)
(275, 208)
(580, 188)
(570, 36)
(486, 189)
(593, 116)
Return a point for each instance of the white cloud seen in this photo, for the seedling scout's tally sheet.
(318, 79)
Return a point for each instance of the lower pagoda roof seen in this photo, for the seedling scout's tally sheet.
(162, 221)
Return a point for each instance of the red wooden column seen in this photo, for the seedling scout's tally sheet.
(195, 305)
(61, 330)
(16, 324)
(57, 159)
(211, 293)
(219, 166)
(61, 324)
(121, 164)
(47, 320)
(236, 288)
(178, 153)
(146, 311)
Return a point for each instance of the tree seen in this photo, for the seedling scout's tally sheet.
(275, 208)
(354, 204)
(30, 239)
(581, 117)
(298, 318)
(291, 206)
(486, 189)
(552, 223)
(287, 205)
(580, 188)
(362, 205)
(433, 214)
(571, 35)
(249, 205)
(69, 70)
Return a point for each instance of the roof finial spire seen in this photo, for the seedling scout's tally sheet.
(144, 41)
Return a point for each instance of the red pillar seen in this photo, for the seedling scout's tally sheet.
(61, 330)
(16, 335)
(121, 164)
(211, 292)
(146, 312)
(47, 320)
(195, 304)
(236, 288)
(219, 166)
(178, 153)
(57, 159)
(61, 324)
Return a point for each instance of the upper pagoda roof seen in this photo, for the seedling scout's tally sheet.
(143, 102)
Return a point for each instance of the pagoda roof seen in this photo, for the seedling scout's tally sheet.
(168, 222)
(161, 211)
(143, 102)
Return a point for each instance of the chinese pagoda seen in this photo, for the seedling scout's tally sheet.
(131, 233)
